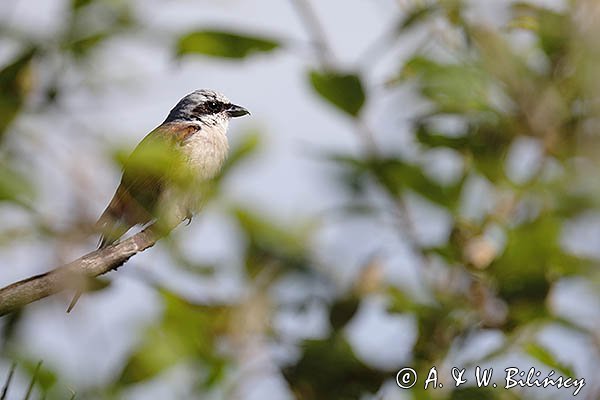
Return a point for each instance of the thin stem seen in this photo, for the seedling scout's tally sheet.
(316, 31)
(377, 48)
(401, 211)
(8, 380)
(33, 378)
(367, 136)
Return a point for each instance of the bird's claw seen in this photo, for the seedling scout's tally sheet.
(188, 219)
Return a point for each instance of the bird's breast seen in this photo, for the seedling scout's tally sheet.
(206, 151)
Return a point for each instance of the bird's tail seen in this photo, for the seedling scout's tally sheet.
(116, 220)
(111, 229)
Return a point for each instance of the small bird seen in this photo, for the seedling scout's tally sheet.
(163, 178)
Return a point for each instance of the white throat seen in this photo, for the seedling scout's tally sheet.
(207, 149)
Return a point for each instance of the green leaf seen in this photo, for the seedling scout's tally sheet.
(521, 270)
(328, 369)
(13, 185)
(483, 142)
(77, 4)
(272, 243)
(553, 29)
(396, 175)
(224, 44)
(187, 332)
(532, 261)
(454, 88)
(345, 91)
(44, 377)
(82, 46)
(543, 355)
(14, 86)
(434, 139)
(342, 311)
(415, 16)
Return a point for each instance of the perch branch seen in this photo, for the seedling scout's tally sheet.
(19, 294)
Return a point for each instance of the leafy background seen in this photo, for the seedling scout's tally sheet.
(417, 186)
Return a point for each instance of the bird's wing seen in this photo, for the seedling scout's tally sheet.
(144, 177)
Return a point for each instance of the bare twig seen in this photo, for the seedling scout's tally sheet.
(314, 28)
(365, 134)
(71, 275)
(33, 378)
(8, 380)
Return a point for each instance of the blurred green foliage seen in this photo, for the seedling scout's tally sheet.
(499, 91)
(187, 332)
(223, 44)
(14, 87)
(344, 91)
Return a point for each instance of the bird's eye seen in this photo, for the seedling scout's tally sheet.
(213, 106)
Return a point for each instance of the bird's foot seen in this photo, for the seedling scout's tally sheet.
(188, 219)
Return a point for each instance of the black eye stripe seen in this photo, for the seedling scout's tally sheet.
(215, 106)
(210, 107)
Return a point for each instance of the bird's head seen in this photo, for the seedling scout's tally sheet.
(207, 107)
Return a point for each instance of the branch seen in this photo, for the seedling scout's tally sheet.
(19, 294)
(315, 29)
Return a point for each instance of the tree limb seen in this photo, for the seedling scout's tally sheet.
(19, 294)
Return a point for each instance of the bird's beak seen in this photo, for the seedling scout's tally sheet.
(237, 111)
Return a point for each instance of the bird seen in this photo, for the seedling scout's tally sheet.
(163, 178)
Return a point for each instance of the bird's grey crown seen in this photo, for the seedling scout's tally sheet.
(194, 106)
